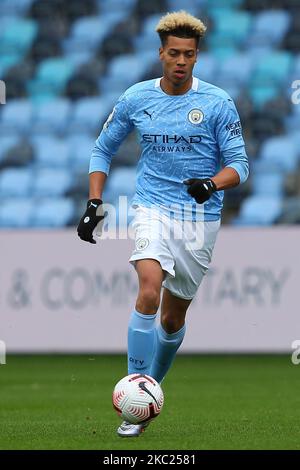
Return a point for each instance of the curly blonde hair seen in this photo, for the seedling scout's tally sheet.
(180, 24)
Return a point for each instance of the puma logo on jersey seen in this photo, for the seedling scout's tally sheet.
(148, 114)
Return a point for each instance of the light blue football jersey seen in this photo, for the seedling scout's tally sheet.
(184, 136)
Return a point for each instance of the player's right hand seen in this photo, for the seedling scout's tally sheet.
(90, 219)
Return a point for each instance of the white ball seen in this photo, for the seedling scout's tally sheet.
(137, 398)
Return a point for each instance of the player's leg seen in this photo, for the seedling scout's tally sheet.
(141, 328)
(169, 334)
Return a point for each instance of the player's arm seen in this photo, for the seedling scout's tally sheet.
(116, 128)
(232, 150)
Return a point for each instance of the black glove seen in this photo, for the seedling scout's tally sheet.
(200, 189)
(90, 220)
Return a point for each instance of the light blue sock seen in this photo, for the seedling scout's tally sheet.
(141, 342)
(166, 348)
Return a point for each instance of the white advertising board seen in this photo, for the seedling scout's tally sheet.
(59, 294)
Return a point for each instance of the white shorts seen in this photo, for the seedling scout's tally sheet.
(183, 248)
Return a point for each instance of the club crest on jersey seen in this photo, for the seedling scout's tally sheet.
(196, 116)
(142, 243)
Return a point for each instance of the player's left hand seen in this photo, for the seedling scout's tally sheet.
(200, 189)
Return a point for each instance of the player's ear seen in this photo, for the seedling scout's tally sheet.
(161, 51)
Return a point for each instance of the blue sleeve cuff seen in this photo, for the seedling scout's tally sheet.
(241, 168)
(98, 164)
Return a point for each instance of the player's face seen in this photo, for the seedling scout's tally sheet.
(178, 57)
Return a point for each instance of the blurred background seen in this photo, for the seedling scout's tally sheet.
(65, 62)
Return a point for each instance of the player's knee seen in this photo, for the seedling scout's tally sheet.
(171, 323)
(148, 300)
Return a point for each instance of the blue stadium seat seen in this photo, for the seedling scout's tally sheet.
(274, 67)
(223, 4)
(123, 71)
(192, 6)
(79, 58)
(14, 7)
(267, 184)
(7, 142)
(269, 27)
(52, 116)
(259, 210)
(87, 33)
(16, 117)
(282, 152)
(148, 38)
(18, 35)
(51, 78)
(50, 152)
(15, 182)
(261, 94)
(52, 182)
(9, 60)
(233, 24)
(80, 148)
(16, 213)
(296, 70)
(116, 5)
(206, 67)
(121, 182)
(222, 45)
(237, 68)
(88, 115)
(53, 213)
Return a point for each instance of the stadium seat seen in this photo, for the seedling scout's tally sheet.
(52, 213)
(269, 27)
(222, 45)
(9, 60)
(261, 94)
(87, 33)
(16, 117)
(7, 142)
(237, 68)
(233, 24)
(274, 67)
(18, 36)
(80, 148)
(116, 5)
(121, 182)
(88, 115)
(148, 38)
(268, 183)
(192, 6)
(206, 67)
(282, 152)
(14, 7)
(52, 76)
(259, 210)
(51, 117)
(16, 213)
(123, 71)
(15, 182)
(50, 152)
(52, 182)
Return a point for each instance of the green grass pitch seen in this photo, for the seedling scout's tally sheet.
(211, 402)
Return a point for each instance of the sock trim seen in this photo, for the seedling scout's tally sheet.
(175, 335)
